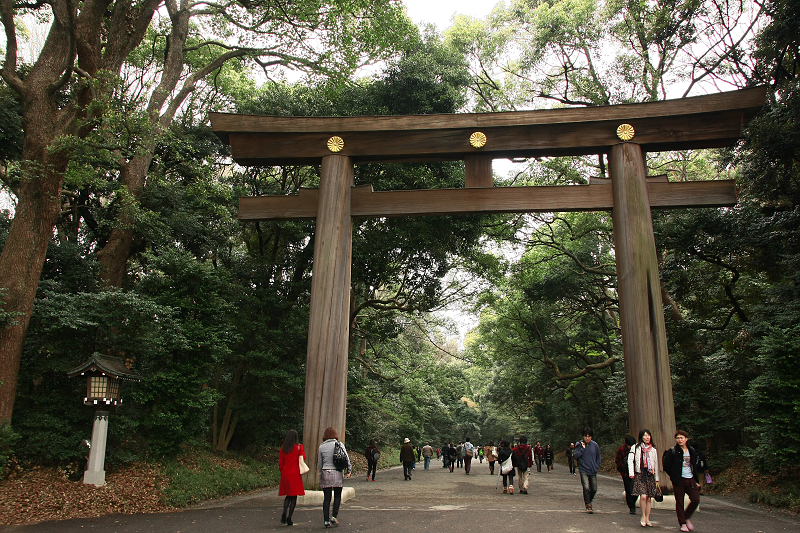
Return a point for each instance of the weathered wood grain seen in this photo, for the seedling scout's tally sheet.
(644, 337)
(749, 100)
(700, 130)
(367, 203)
(478, 171)
(326, 360)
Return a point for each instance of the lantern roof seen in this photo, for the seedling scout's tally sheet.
(112, 366)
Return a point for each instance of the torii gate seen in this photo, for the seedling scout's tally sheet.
(624, 132)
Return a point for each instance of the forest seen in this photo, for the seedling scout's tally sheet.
(119, 229)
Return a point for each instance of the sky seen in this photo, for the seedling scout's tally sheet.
(440, 12)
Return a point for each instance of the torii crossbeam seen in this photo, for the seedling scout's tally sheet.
(623, 132)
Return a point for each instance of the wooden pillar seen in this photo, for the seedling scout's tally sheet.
(478, 171)
(326, 362)
(644, 339)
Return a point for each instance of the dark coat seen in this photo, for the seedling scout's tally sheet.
(672, 461)
(407, 453)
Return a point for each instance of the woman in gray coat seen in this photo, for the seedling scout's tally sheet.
(331, 479)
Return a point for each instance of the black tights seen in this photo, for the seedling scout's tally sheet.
(288, 506)
(326, 501)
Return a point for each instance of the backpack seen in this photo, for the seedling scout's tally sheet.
(339, 457)
(522, 459)
(376, 455)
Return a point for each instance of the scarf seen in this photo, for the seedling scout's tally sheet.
(645, 448)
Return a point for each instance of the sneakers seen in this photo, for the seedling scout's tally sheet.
(690, 525)
(511, 490)
(505, 490)
(589, 508)
(334, 522)
(326, 523)
(684, 527)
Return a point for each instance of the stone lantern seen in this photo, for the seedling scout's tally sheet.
(103, 377)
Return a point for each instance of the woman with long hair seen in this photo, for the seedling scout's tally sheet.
(502, 455)
(331, 479)
(643, 469)
(373, 455)
(548, 458)
(291, 482)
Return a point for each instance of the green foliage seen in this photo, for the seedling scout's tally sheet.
(200, 476)
(8, 442)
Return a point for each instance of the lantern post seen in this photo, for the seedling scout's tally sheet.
(104, 375)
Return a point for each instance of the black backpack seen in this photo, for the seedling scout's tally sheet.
(522, 459)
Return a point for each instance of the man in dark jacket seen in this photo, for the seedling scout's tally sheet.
(621, 460)
(681, 464)
(524, 460)
(407, 458)
(587, 452)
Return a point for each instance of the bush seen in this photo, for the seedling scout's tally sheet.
(8, 439)
(199, 475)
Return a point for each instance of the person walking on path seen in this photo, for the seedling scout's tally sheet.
(373, 454)
(407, 458)
(460, 455)
(587, 452)
(427, 453)
(331, 478)
(469, 453)
(491, 456)
(291, 484)
(538, 455)
(504, 453)
(571, 458)
(480, 453)
(621, 460)
(681, 464)
(548, 458)
(524, 460)
(643, 470)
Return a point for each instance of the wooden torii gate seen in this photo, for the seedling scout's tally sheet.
(623, 132)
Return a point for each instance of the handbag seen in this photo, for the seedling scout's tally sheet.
(709, 481)
(507, 465)
(339, 457)
(303, 466)
(468, 453)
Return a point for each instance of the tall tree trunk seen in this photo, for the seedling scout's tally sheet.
(113, 257)
(21, 262)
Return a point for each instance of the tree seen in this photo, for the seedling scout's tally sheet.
(65, 93)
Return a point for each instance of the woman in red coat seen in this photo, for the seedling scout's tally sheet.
(291, 483)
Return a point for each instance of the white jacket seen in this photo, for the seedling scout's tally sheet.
(635, 460)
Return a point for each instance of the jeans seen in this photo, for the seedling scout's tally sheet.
(372, 466)
(687, 486)
(427, 462)
(467, 464)
(326, 501)
(589, 483)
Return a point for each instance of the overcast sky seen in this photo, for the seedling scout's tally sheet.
(440, 12)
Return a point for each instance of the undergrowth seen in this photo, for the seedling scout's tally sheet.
(199, 475)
